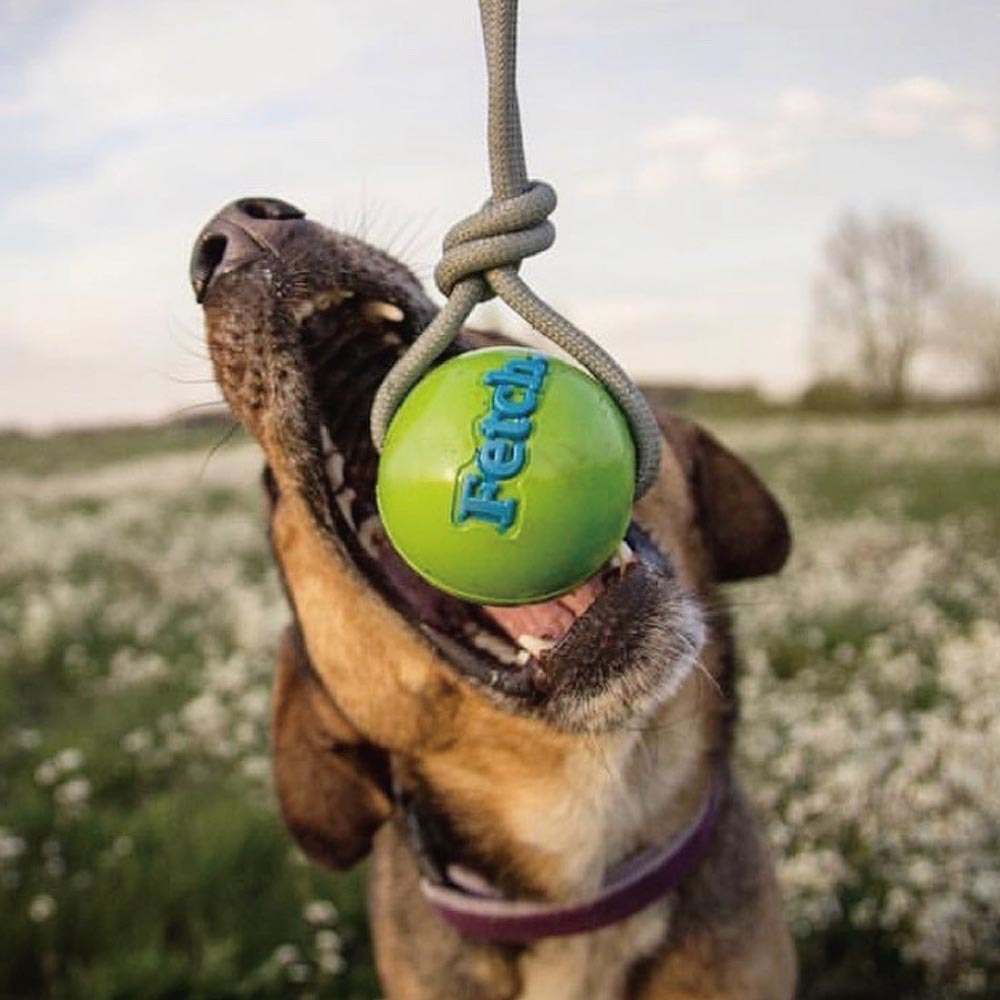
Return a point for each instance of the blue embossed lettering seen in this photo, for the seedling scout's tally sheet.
(501, 459)
(506, 403)
(478, 500)
(503, 454)
(499, 427)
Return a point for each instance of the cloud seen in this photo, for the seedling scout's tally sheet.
(599, 185)
(118, 67)
(689, 131)
(735, 155)
(911, 106)
(127, 125)
(979, 128)
(722, 153)
(698, 335)
(654, 176)
(801, 106)
(921, 92)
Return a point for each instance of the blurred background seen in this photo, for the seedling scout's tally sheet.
(784, 220)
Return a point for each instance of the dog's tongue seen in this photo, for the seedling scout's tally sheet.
(550, 620)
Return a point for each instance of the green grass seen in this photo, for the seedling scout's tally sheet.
(73, 451)
(139, 613)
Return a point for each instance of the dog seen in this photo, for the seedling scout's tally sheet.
(510, 770)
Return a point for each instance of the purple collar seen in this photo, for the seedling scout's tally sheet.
(478, 911)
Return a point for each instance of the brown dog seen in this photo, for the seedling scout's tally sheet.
(536, 749)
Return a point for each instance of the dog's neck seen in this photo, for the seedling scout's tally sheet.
(561, 831)
(478, 910)
(620, 792)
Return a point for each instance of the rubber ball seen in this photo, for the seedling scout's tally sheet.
(506, 477)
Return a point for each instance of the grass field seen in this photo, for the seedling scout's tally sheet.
(140, 853)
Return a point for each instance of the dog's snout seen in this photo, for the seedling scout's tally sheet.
(242, 232)
(209, 252)
(265, 208)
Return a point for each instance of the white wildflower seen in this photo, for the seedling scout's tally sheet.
(331, 963)
(137, 741)
(11, 846)
(256, 768)
(205, 716)
(27, 739)
(46, 773)
(42, 908)
(73, 793)
(70, 759)
(132, 668)
(285, 954)
(298, 972)
(320, 911)
(327, 940)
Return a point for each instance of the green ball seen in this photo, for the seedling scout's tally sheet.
(506, 477)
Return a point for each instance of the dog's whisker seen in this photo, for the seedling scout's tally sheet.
(219, 404)
(221, 443)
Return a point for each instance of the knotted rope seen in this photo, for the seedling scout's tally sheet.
(482, 254)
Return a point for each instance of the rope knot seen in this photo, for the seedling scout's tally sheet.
(482, 252)
(500, 235)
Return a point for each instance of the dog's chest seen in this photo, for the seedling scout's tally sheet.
(592, 966)
(585, 813)
(607, 797)
(613, 792)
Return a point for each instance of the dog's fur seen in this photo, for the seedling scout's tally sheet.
(542, 796)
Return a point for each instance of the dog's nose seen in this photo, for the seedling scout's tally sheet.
(242, 232)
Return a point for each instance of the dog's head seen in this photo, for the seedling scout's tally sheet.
(302, 324)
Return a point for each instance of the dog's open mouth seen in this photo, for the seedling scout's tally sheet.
(335, 327)
(349, 346)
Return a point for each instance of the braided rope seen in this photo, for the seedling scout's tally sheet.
(482, 253)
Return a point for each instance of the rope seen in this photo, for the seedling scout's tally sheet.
(482, 253)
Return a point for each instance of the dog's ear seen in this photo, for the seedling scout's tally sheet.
(332, 785)
(744, 528)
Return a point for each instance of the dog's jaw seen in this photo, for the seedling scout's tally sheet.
(301, 334)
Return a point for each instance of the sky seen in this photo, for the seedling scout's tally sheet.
(701, 151)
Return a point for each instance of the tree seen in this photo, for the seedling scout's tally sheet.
(972, 334)
(877, 299)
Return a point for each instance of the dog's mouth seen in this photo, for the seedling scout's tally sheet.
(320, 356)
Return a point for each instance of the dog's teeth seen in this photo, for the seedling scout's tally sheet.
(326, 442)
(335, 469)
(533, 645)
(345, 501)
(493, 645)
(324, 300)
(522, 658)
(332, 298)
(376, 309)
(303, 310)
(623, 558)
(370, 534)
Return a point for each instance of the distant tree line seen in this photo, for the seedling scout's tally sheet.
(886, 294)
